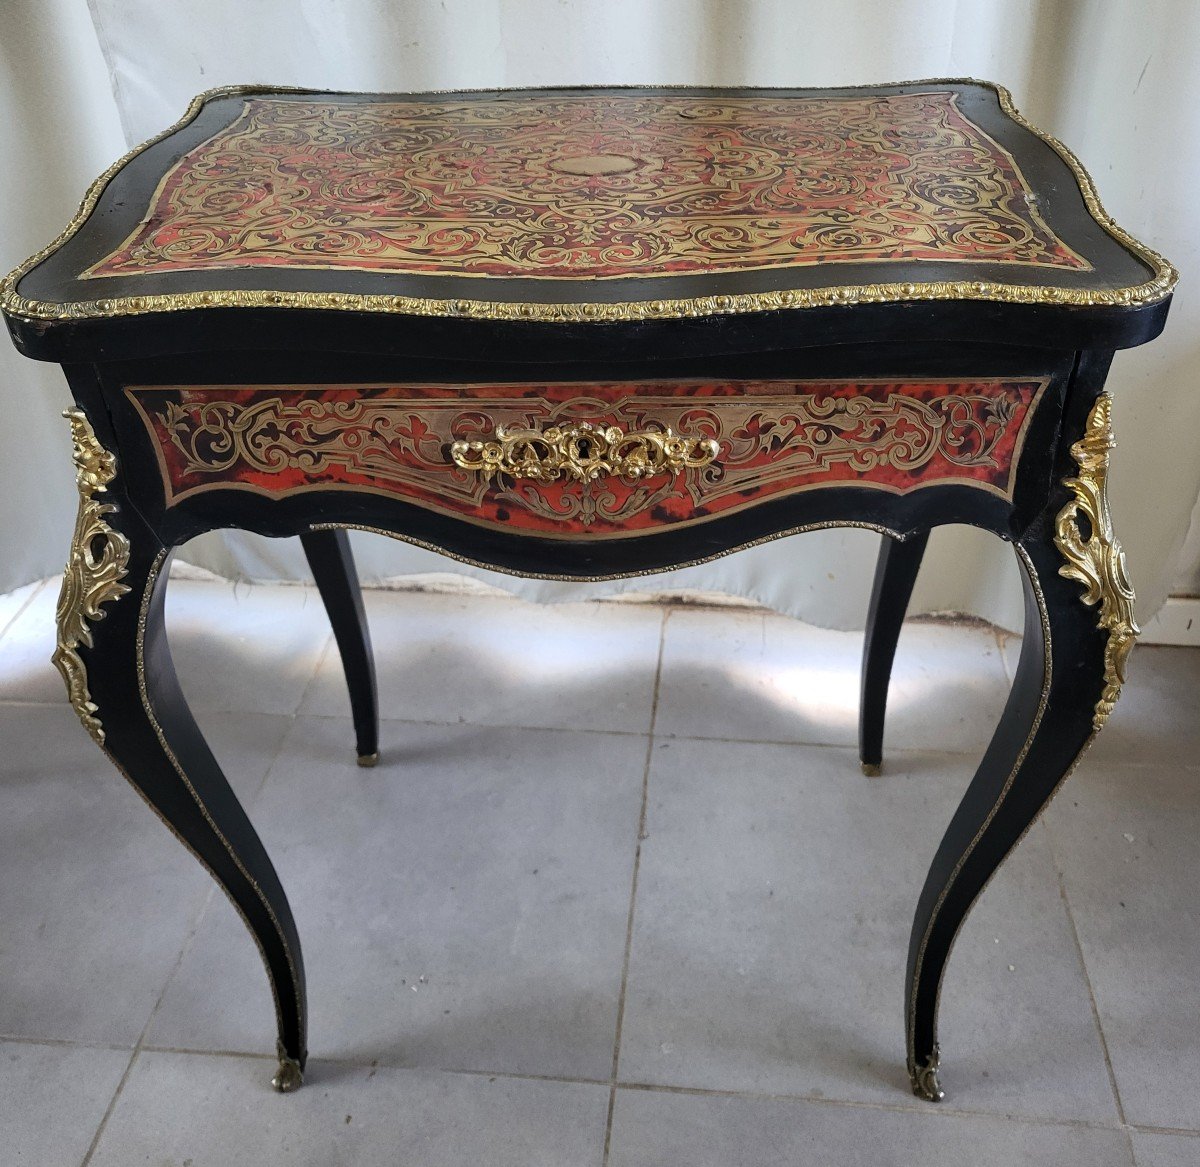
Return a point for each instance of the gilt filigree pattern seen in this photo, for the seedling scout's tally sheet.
(601, 186)
(97, 564)
(1093, 553)
(584, 452)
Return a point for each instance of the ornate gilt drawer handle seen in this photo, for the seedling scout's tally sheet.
(583, 452)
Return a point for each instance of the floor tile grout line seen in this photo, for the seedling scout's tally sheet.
(108, 1110)
(1087, 980)
(908, 1108)
(973, 754)
(252, 798)
(435, 723)
(37, 591)
(614, 1082)
(64, 1042)
(202, 911)
(1133, 1161)
(1182, 1132)
(185, 948)
(312, 680)
(919, 751)
(919, 1108)
(646, 1087)
(633, 886)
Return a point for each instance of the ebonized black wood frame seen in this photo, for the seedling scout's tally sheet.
(1048, 721)
(119, 666)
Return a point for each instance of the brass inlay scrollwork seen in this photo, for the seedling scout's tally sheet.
(584, 452)
(97, 563)
(1094, 557)
(1160, 280)
(464, 454)
(592, 186)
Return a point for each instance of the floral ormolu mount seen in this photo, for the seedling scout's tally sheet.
(588, 333)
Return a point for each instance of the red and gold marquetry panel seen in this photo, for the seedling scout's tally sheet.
(595, 186)
(763, 439)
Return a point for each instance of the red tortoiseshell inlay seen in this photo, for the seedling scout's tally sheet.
(597, 186)
(774, 437)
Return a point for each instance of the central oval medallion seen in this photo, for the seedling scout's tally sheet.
(591, 165)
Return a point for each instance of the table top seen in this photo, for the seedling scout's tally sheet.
(595, 205)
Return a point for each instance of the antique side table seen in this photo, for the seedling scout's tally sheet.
(582, 334)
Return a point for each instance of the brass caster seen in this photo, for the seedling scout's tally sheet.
(289, 1076)
(368, 760)
(872, 769)
(925, 1082)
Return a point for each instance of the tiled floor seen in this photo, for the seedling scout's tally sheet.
(617, 894)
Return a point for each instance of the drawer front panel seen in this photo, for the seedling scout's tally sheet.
(593, 459)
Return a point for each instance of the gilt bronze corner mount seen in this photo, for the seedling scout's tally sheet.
(96, 565)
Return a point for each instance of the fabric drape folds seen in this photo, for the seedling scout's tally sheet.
(81, 82)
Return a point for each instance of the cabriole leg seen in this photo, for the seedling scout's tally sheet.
(332, 565)
(112, 651)
(895, 574)
(1079, 628)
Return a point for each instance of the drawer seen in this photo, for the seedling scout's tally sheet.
(589, 459)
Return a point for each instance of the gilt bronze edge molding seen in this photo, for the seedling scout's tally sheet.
(1151, 291)
(96, 565)
(1097, 561)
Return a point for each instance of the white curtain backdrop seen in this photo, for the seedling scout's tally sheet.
(1114, 78)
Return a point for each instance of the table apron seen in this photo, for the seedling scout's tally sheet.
(593, 462)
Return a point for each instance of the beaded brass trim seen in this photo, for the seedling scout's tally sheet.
(583, 452)
(1156, 288)
(601, 576)
(1096, 559)
(96, 565)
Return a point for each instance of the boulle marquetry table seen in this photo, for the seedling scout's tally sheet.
(583, 334)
